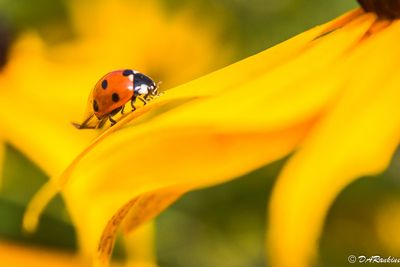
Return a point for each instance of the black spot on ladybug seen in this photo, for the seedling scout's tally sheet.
(95, 106)
(127, 72)
(115, 97)
(104, 84)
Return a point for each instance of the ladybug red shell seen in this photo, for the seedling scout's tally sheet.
(113, 91)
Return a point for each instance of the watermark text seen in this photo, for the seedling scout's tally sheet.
(372, 259)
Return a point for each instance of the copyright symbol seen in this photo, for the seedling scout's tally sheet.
(352, 259)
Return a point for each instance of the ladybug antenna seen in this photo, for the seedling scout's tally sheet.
(157, 86)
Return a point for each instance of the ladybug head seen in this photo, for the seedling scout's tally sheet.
(144, 85)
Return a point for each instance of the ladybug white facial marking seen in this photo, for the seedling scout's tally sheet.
(112, 92)
(143, 89)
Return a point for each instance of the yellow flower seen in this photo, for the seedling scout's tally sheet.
(45, 87)
(329, 96)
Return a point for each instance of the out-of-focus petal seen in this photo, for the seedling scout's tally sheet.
(356, 137)
(140, 247)
(169, 47)
(13, 255)
(36, 119)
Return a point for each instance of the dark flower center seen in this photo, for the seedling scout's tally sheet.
(389, 9)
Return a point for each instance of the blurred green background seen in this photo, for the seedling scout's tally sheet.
(223, 225)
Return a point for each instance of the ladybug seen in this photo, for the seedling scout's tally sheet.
(113, 91)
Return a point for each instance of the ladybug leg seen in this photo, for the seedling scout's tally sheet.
(143, 100)
(112, 120)
(133, 100)
(101, 123)
(115, 111)
(122, 109)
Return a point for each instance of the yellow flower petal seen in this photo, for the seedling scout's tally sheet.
(271, 100)
(140, 247)
(13, 255)
(43, 143)
(216, 152)
(135, 212)
(34, 120)
(252, 67)
(356, 137)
